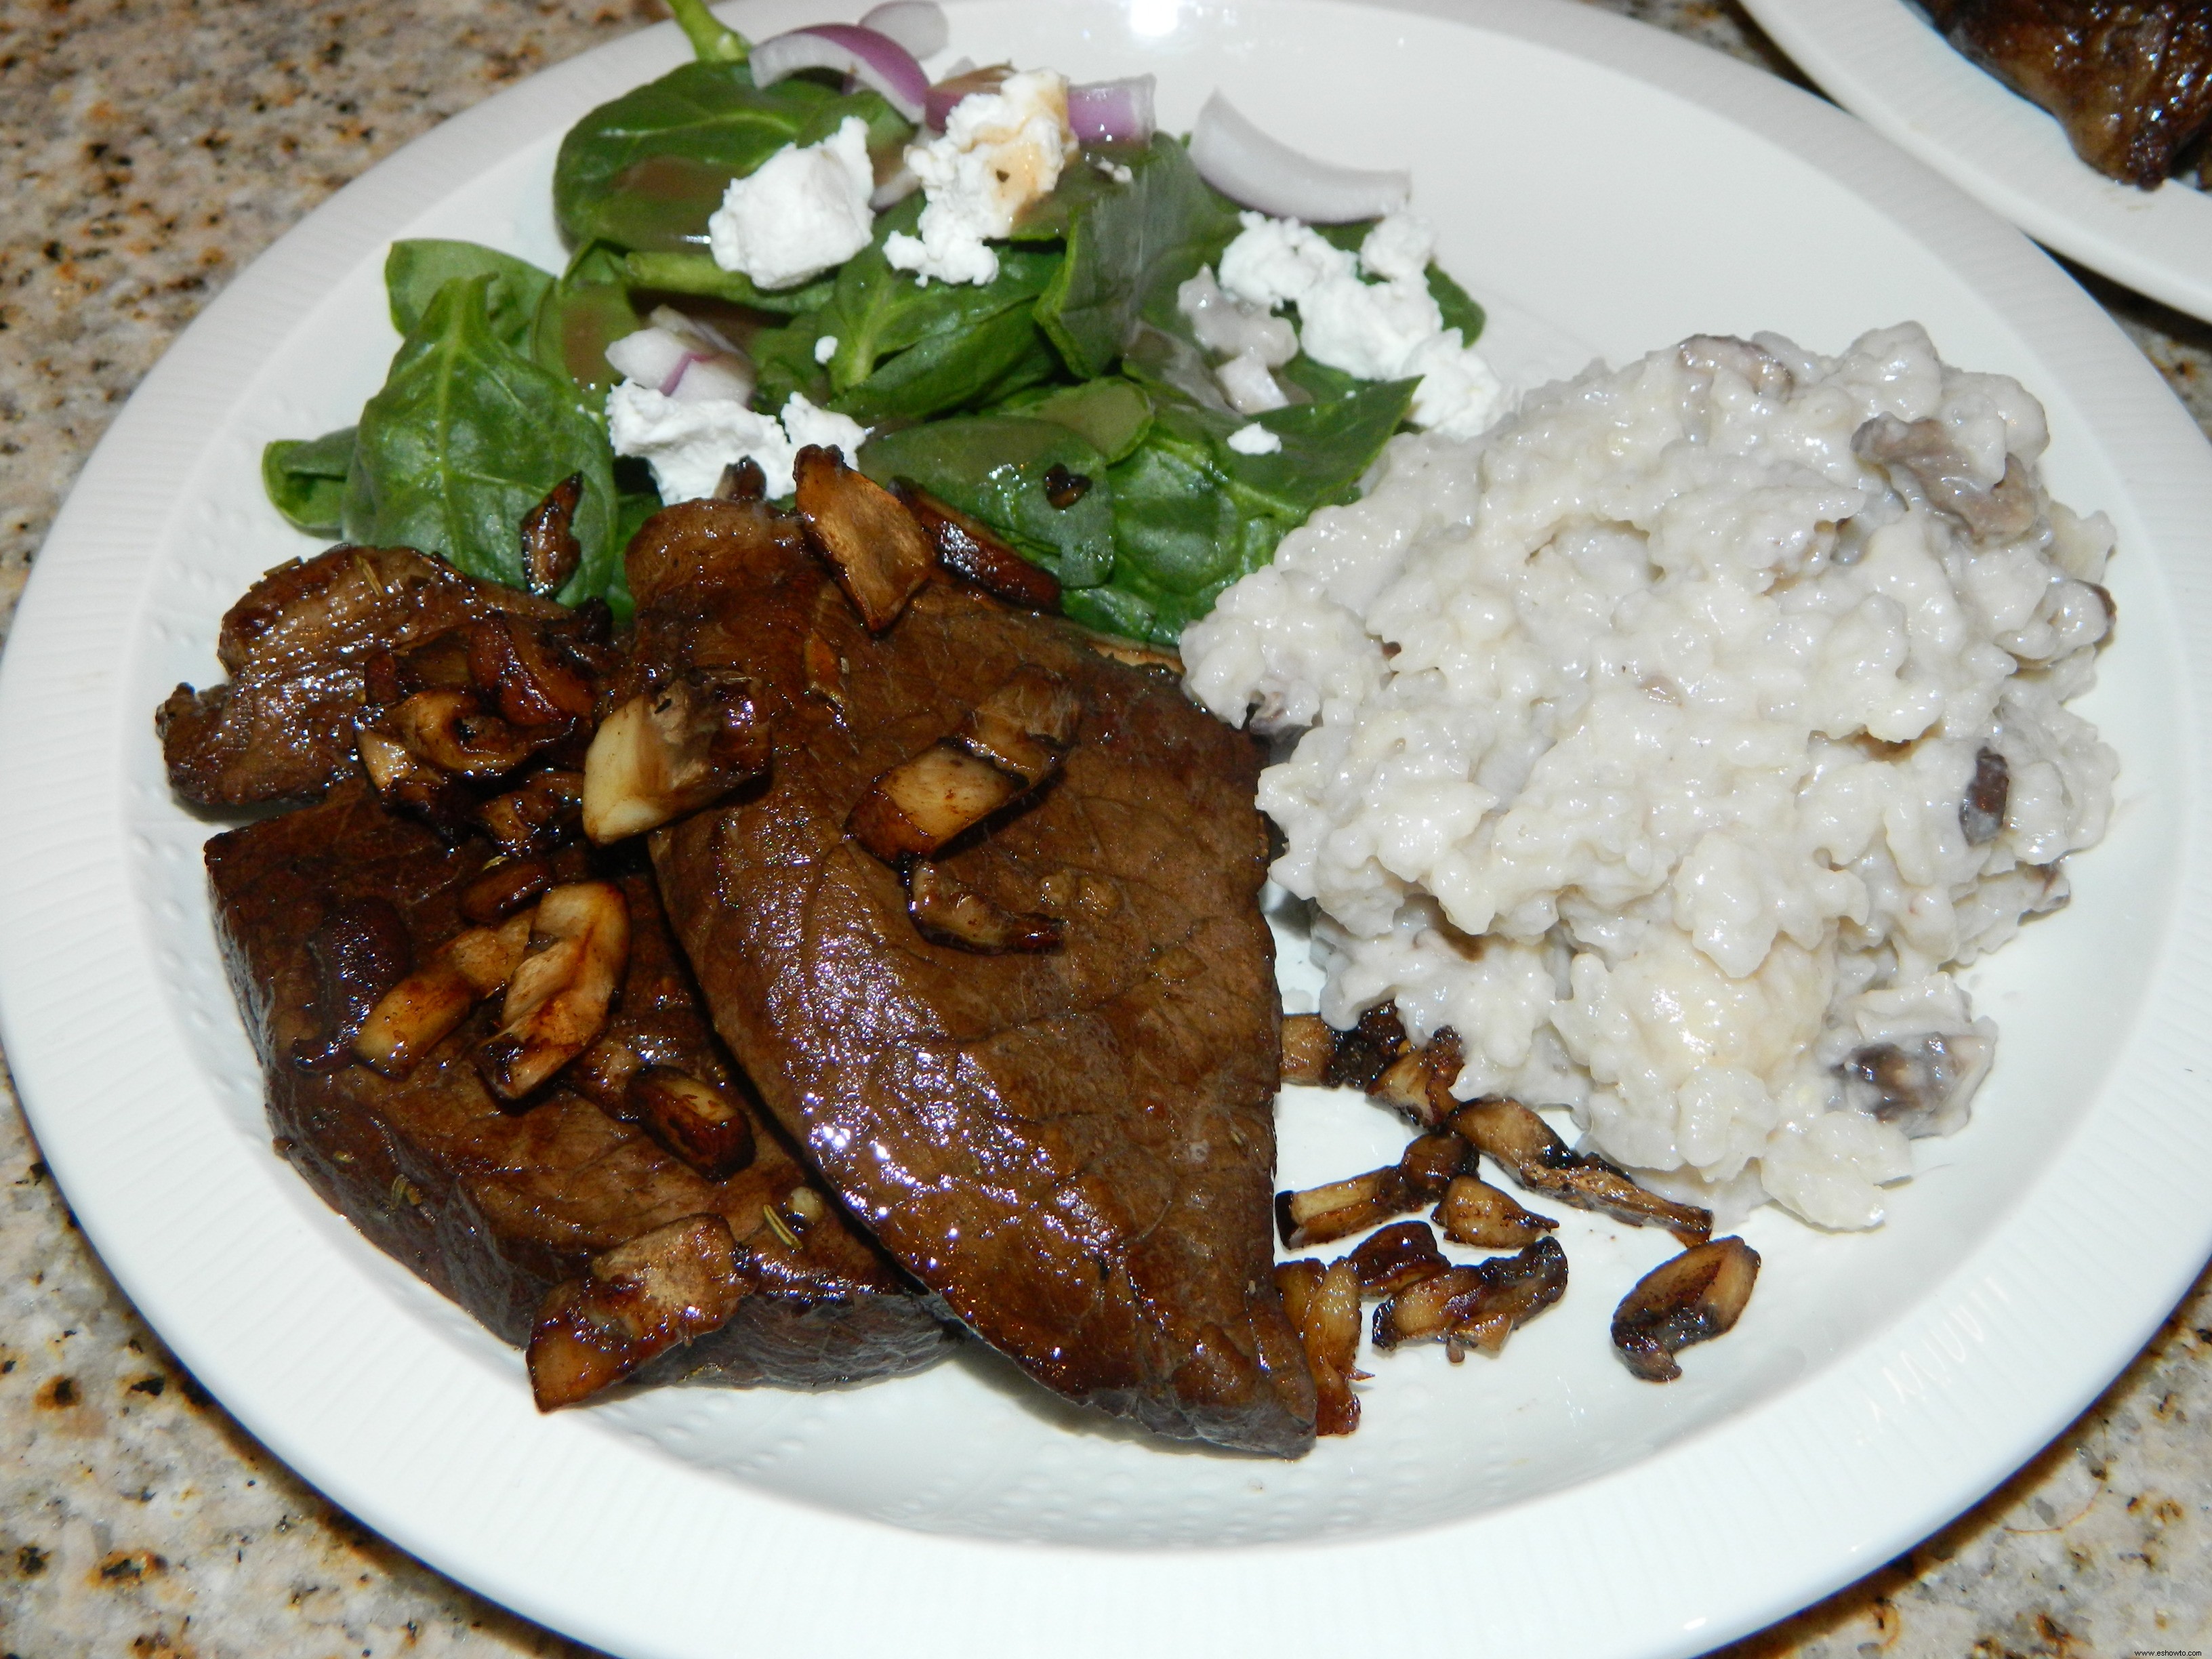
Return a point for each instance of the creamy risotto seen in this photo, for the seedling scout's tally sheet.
(1675, 742)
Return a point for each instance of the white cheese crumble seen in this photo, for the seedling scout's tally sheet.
(1001, 149)
(825, 348)
(688, 443)
(801, 212)
(1254, 439)
(1388, 328)
(1644, 744)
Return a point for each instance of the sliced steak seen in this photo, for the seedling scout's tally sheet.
(302, 647)
(1074, 1146)
(495, 1207)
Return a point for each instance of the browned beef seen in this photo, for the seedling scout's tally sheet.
(300, 648)
(2129, 80)
(1074, 1147)
(495, 1207)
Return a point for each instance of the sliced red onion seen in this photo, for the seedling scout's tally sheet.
(946, 95)
(917, 25)
(718, 378)
(1112, 111)
(650, 357)
(872, 59)
(1247, 166)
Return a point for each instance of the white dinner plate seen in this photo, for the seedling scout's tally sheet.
(1881, 60)
(1604, 187)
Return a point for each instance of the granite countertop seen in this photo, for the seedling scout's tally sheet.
(150, 149)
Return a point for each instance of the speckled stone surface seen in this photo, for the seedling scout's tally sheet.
(150, 149)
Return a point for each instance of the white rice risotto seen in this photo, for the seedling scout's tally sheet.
(1673, 741)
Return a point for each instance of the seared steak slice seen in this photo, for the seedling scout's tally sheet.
(495, 1207)
(1074, 1146)
(302, 648)
(2129, 80)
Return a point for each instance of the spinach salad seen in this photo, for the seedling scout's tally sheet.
(1074, 361)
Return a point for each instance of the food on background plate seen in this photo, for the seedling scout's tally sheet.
(2130, 81)
(1673, 747)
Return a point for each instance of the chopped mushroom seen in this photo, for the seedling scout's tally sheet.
(1694, 1298)
(1475, 1307)
(415, 1015)
(1323, 1303)
(671, 751)
(1475, 1213)
(1419, 1082)
(503, 888)
(1982, 813)
(1524, 1145)
(551, 551)
(1008, 745)
(449, 728)
(1340, 1208)
(637, 1300)
(557, 999)
(1307, 1045)
(1927, 454)
(360, 951)
(946, 912)
(694, 1121)
(1396, 1257)
(1924, 1087)
(972, 551)
(511, 661)
(1368, 1049)
(876, 546)
(538, 816)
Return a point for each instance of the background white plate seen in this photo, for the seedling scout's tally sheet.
(1603, 186)
(1881, 60)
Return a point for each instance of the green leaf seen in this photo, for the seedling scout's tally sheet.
(467, 436)
(1458, 306)
(713, 41)
(697, 273)
(305, 478)
(906, 351)
(581, 315)
(951, 370)
(1111, 414)
(1128, 252)
(646, 170)
(994, 466)
(414, 271)
(1327, 447)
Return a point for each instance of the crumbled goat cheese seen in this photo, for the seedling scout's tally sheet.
(1644, 745)
(801, 212)
(1387, 329)
(825, 348)
(1254, 439)
(689, 444)
(1001, 150)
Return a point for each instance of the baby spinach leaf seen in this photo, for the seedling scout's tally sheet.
(877, 310)
(1460, 311)
(646, 170)
(951, 370)
(1127, 250)
(305, 478)
(414, 271)
(712, 42)
(994, 466)
(467, 436)
(1327, 447)
(1111, 414)
(581, 315)
(697, 273)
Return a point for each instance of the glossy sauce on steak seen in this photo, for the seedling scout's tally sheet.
(495, 1205)
(1074, 1146)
